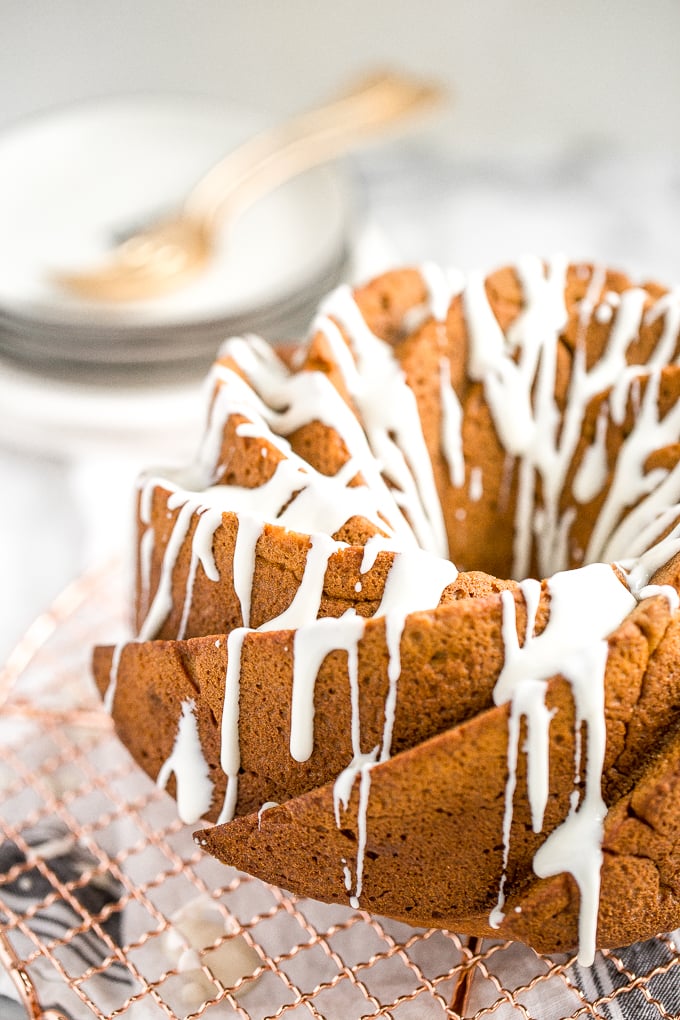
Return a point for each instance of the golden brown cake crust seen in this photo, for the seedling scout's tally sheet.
(449, 662)
(429, 844)
(447, 856)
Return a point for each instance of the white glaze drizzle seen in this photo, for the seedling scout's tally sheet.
(307, 599)
(161, 604)
(586, 605)
(302, 609)
(510, 384)
(476, 487)
(443, 284)
(604, 311)
(652, 491)
(110, 695)
(146, 546)
(295, 496)
(265, 807)
(248, 535)
(452, 425)
(518, 370)
(597, 279)
(389, 412)
(312, 643)
(194, 786)
(208, 520)
(653, 552)
(362, 830)
(535, 432)
(375, 545)
(281, 403)
(360, 766)
(230, 754)
(302, 500)
(591, 475)
(418, 580)
(666, 590)
(415, 581)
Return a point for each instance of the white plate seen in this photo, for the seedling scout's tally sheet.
(58, 418)
(72, 180)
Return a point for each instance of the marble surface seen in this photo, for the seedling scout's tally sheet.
(63, 510)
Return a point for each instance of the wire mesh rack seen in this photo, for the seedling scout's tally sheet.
(108, 909)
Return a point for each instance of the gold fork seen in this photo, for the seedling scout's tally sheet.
(170, 253)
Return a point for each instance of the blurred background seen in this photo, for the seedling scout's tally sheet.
(560, 133)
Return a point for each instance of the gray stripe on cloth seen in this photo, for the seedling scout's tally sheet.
(618, 968)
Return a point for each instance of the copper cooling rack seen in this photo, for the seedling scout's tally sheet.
(107, 908)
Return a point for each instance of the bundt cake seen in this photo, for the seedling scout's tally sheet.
(366, 722)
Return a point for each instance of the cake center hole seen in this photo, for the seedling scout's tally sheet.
(494, 535)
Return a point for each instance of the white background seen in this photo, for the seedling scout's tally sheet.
(524, 72)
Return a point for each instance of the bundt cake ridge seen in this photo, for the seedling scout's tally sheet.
(305, 641)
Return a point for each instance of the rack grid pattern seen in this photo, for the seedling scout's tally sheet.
(108, 909)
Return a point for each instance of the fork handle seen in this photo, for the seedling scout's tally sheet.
(321, 134)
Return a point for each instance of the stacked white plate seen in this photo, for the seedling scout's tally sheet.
(75, 182)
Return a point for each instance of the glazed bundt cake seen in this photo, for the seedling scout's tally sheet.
(366, 722)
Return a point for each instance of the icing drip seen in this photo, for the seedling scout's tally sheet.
(575, 846)
(612, 369)
(194, 787)
(162, 601)
(303, 608)
(291, 401)
(113, 676)
(452, 425)
(294, 497)
(597, 280)
(247, 537)
(146, 546)
(667, 590)
(312, 643)
(631, 483)
(307, 599)
(390, 414)
(361, 766)
(476, 484)
(585, 606)
(592, 472)
(230, 755)
(655, 554)
(507, 383)
(442, 286)
(373, 547)
(208, 520)
(604, 312)
(265, 807)
(364, 790)
(527, 432)
(415, 581)
(519, 371)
